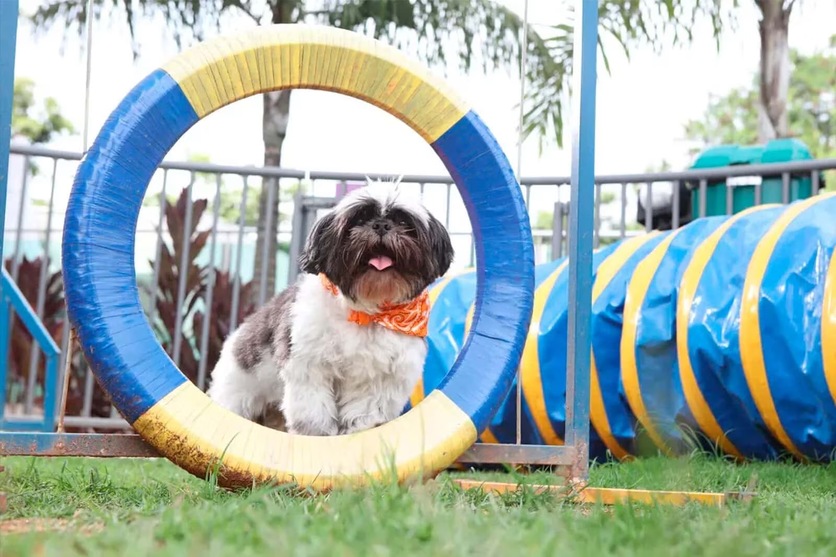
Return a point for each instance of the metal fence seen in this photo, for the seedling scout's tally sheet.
(221, 203)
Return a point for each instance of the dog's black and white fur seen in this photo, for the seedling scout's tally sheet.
(300, 354)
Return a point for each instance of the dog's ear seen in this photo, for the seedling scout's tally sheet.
(321, 241)
(440, 246)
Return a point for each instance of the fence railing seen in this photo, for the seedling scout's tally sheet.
(220, 203)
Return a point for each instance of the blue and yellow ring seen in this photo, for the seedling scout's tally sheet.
(103, 301)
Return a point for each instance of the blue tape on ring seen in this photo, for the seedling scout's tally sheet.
(98, 246)
(446, 337)
(482, 376)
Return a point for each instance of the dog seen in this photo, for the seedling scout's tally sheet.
(340, 350)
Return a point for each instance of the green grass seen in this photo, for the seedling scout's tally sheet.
(152, 508)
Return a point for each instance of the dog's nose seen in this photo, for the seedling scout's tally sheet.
(381, 226)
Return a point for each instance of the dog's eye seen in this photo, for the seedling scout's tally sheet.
(367, 214)
(400, 218)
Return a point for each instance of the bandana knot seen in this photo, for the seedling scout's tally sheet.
(411, 318)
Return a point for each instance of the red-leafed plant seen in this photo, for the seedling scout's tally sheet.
(167, 288)
(194, 300)
(219, 325)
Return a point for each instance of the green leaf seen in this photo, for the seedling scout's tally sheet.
(37, 123)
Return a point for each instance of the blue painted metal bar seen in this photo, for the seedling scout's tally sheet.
(11, 294)
(27, 315)
(4, 351)
(75, 444)
(50, 391)
(581, 214)
(8, 39)
(24, 424)
(131, 445)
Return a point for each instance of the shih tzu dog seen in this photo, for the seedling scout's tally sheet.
(341, 350)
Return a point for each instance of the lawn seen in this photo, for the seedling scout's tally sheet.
(149, 507)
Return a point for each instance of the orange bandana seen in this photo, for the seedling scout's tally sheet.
(410, 318)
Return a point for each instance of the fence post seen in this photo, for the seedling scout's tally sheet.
(557, 231)
(581, 216)
(297, 237)
(4, 352)
(8, 38)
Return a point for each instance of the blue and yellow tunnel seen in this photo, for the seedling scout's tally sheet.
(719, 335)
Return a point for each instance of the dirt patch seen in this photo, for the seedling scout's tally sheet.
(28, 525)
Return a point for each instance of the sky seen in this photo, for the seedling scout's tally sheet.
(642, 104)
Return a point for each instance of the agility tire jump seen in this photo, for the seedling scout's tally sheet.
(167, 410)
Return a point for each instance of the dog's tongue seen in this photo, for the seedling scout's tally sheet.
(380, 263)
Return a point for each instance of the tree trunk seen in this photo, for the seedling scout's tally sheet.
(774, 69)
(274, 131)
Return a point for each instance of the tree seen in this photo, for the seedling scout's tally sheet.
(38, 124)
(424, 27)
(730, 118)
(774, 74)
(774, 65)
(811, 108)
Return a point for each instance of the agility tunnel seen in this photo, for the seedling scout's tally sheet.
(721, 334)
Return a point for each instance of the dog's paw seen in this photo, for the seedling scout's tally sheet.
(316, 429)
(361, 423)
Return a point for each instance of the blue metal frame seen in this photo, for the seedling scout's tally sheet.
(581, 213)
(574, 454)
(8, 39)
(11, 294)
